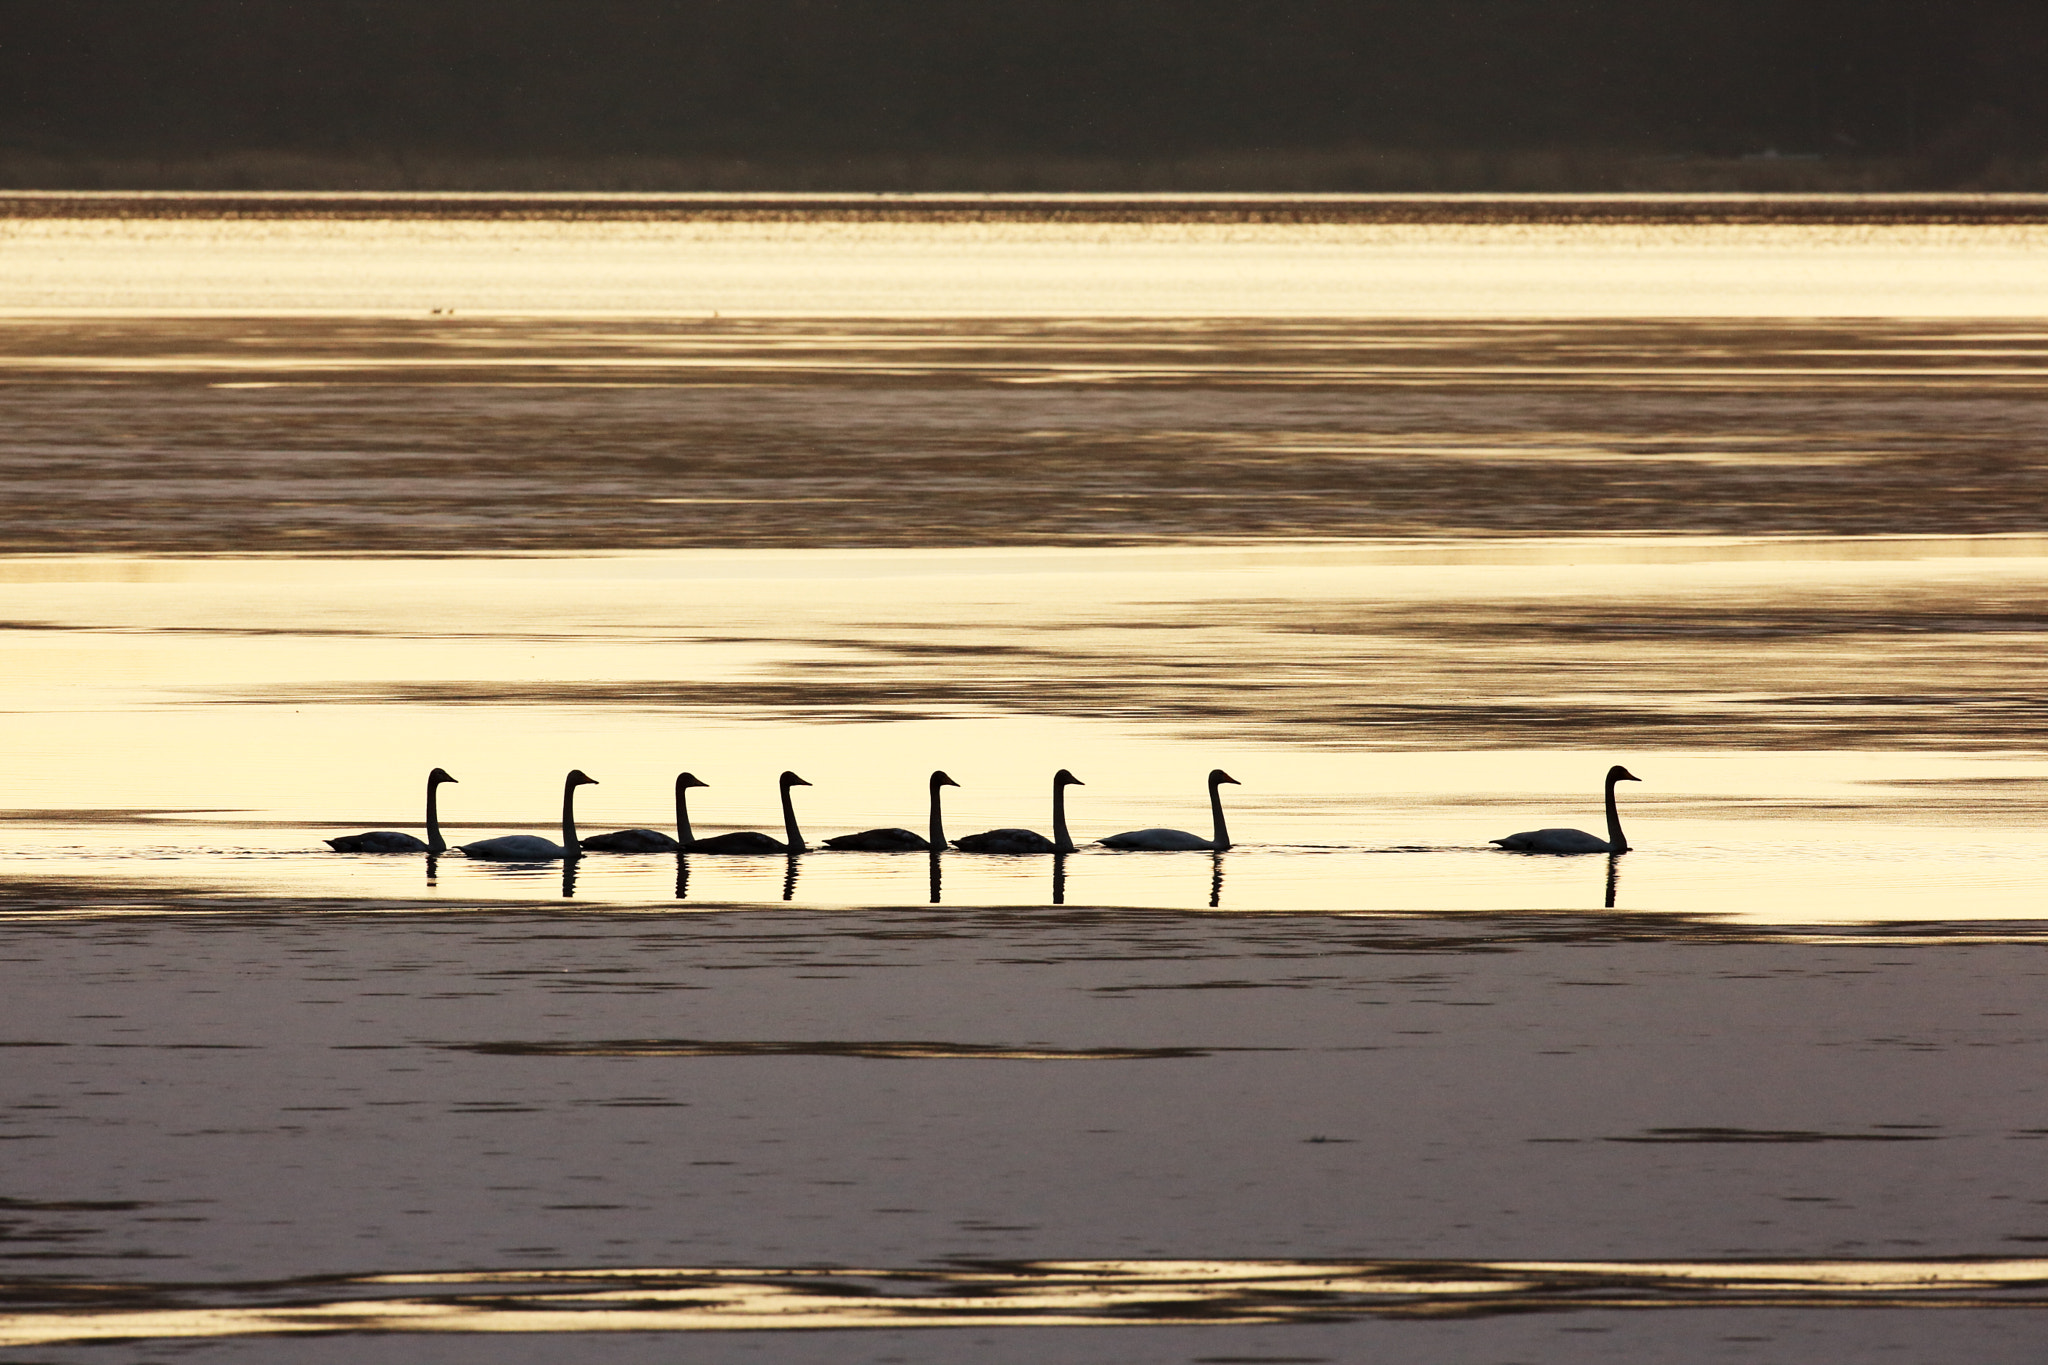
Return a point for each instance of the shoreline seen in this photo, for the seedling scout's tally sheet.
(1798, 208)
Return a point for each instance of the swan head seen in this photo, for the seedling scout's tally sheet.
(579, 778)
(689, 780)
(1063, 778)
(438, 776)
(792, 780)
(1217, 777)
(1617, 773)
(941, 780)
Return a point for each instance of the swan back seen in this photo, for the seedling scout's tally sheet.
(1156, 841)
(630, 841)
(1554, 841)
(741, 841)
(514, 848)
(378, 841)
(1006, 841)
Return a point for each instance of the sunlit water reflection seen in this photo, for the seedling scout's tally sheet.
(206, 723)
(1030, 1294)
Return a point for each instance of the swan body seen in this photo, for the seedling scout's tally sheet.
(1005, 841)
(1577, 840)
(893, 840)
(379, 841)
(1157, 841)
(1554, 841)
(531, 848)
(1025, 840)
(1179, 840)
(514, 848)
(748, 841)
(630, 841)
(395, 841)
(743, 841)
(652, 840)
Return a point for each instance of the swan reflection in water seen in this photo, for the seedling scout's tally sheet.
(1216, 879)
(569, 878)
(1613, 877)
(789, 878)
(1059, 879)
(682, 876)
(936, 877)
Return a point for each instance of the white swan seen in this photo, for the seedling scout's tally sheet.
(531, 848)
(893, 840)
(1173, 840)
(1027, 840)
(1576, 840)
(649, 840)
(394, 841)
(748, 841)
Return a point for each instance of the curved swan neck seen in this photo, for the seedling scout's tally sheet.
(683, 835)
(435, 843)
(791, 835)
(938, 832)
(1222, 837)
(1616, 841)
(1062, 841)
(570, 848)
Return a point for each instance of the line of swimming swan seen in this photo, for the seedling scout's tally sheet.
(531, 848)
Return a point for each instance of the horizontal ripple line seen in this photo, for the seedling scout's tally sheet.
(989, 1294)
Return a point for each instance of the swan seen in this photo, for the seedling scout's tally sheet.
(650, 840)
(531, 848)
(1170, 840)
(393, 841)
(1576, 840)
(898, 840)
(748, 841)
(1026, 840)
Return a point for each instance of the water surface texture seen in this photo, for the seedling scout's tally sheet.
(1414, 524)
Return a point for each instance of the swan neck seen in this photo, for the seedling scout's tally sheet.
(1062, 841)
(683, 835)
(570, 848)
(435, 844)
(1616, 841)
(791, 835)
(1222, 837)
(938, 832)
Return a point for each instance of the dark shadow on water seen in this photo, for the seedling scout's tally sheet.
(887, 1049)
(1773, 1135)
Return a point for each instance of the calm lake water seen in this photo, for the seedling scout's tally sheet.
(1414, 529)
